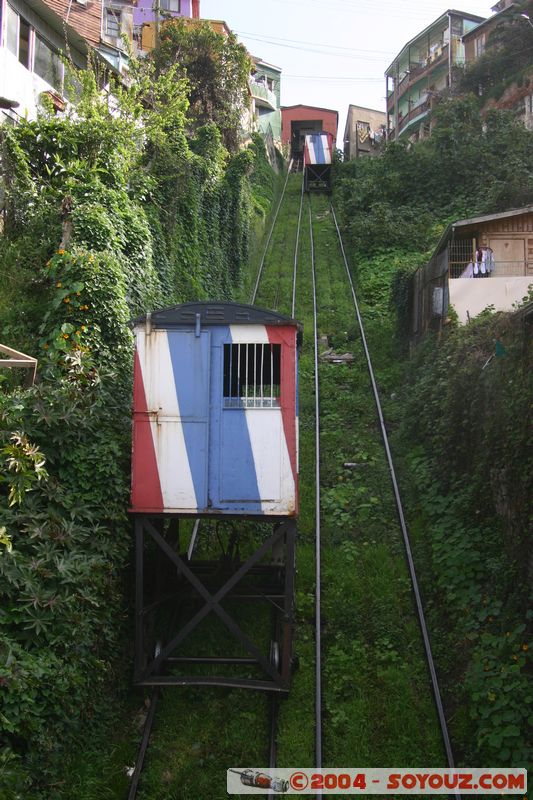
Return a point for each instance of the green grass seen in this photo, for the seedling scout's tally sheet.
(378, 708)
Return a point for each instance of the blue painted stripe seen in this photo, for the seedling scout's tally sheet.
(190, 356)
(319, 149)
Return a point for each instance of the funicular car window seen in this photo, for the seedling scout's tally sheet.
(252, 375)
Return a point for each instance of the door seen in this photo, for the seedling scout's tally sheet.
(183, 420)
(509, 257)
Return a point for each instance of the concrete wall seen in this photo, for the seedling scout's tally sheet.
(355, 145)
(18, 83)
(470, 297)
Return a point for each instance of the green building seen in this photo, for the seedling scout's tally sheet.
(265, 83)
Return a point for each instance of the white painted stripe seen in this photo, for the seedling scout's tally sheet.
(271, 458)
(169, 443)
(251, 334)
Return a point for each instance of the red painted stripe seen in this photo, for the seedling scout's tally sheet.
(146, 492)
(286, 337)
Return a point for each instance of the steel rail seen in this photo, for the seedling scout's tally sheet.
(401, 516)
(148, 725)
(318, 565)
(273, 749)
(261, 265)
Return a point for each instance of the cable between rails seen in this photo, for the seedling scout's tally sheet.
(293, 307)
(260, 270)
(401, 517)
(318, 567)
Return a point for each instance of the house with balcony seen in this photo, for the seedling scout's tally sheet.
(478, 262)
(265, 89)
(32, 38)
(423, 68)
(35, 34)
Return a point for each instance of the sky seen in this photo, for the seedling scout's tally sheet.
(332, 52)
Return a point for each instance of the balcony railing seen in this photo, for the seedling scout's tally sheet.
(262, 95)
(415, 112)
(502, 269)
(418, 70)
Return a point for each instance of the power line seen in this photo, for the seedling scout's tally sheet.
(333, 78)
(314, 50)
(271, 39)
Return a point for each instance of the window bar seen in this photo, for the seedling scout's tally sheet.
(271, 376)
(246, 384)
(239, 374)
(255, 375)
(230, 392)
(262, 367)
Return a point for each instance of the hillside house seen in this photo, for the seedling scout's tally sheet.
(422, 69)
(146, 11)
(265, 88)
(479, 262)
(33, 35)
(365, 130)
(516, 96)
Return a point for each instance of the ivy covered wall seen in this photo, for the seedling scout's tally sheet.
(110, 212)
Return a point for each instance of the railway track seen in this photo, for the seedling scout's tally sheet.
(311, 270)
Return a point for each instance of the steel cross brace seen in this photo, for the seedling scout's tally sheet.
(147, 675)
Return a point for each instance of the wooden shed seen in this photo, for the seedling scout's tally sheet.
(497, 248)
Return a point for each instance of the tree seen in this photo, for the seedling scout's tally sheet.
(217, 69)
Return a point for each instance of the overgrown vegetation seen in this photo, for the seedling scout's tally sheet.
(459, 430)
(110, 212)
(465, 406)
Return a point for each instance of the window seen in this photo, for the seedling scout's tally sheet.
(47, 63)
(24, 43)
(252, 375)
(112, 23)
(12, 31)
(18, 36)
(171, 5)
(479, 45)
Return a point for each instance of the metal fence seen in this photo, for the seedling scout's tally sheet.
(501, 269)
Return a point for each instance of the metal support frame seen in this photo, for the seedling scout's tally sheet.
(317, 174)
(271, 582)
